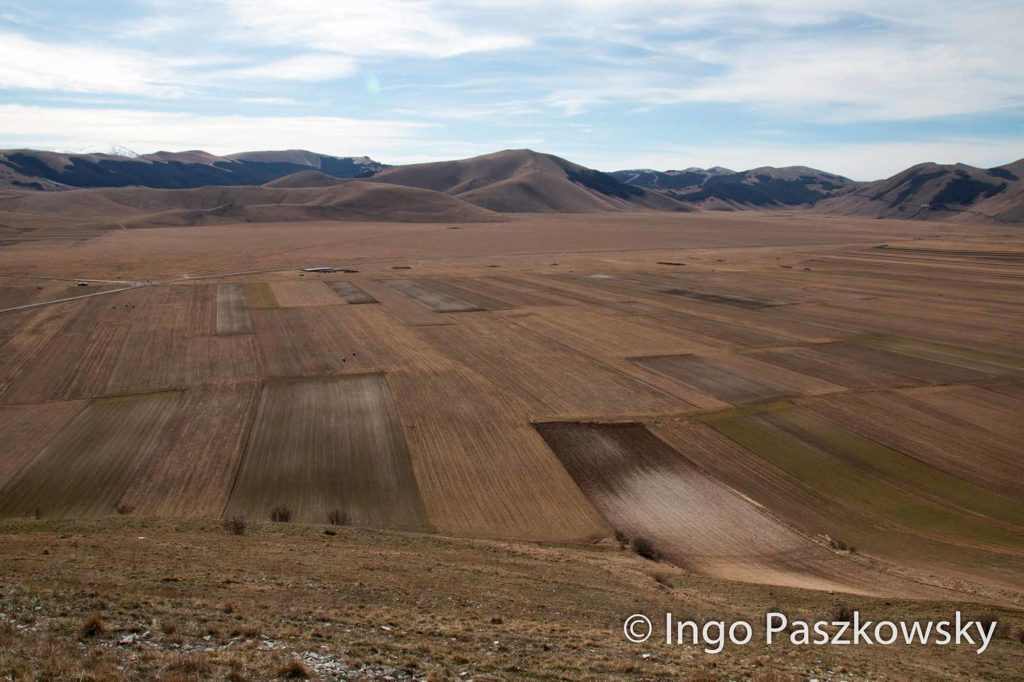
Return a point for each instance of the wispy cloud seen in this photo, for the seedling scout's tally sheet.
(407, 27)
(608, 78)
(35, 65)
(303, 67)
(146, 131)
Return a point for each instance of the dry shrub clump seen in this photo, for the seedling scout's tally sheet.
(338, 518)
(293, 670)
(1002, 629)
(282, 513)
(236, 525)
(92, 626)
(841, 546)
(842, 613)
(644, 548)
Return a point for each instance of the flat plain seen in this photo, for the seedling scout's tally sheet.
(783, 399)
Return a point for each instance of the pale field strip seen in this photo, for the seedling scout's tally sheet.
(645, 489)
(290, 294)
(481, 468)
(232, 312)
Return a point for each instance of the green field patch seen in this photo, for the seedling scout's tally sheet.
(954, 355)
(870, 492)
(260, 295)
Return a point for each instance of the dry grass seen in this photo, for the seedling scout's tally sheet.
(385, 602)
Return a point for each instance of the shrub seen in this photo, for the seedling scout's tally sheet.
(644, 548)
(841, 546)
(282, 513)
(293, 670)
(663, 579)
(842, 613)
(236, 525)
(338, 518)
(92, 626)
(1002, 629)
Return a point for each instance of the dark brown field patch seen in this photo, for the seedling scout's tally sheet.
(86, 468)
(326, 444)
(351, 293)
(433, 298)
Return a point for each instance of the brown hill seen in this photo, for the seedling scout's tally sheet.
(310, 178)
(141, 207)
(939, 192)
(524, 181)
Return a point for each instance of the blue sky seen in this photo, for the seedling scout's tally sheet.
(861, 87)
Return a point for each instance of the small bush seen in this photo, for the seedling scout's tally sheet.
(841, 546)
(644, 548)
(338, 518)
(293, 670)
(125, 509)
(842, 614)
(1002, 630)
(663, 579)
(282, 513)
(92, 626)
(236, 525)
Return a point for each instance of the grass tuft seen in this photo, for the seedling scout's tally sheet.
(92, 626)
(293, 670)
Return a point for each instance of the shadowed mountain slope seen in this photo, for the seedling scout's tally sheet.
(935, 192)
(40, 170)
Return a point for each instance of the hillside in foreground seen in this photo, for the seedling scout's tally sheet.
(128, 599)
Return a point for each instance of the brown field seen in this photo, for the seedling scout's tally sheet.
(329, 444)
(767, 397)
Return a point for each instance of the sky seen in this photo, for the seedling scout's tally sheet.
(864, 88)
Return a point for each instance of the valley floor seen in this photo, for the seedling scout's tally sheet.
(807, 407)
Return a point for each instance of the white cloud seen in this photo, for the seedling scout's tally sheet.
(33, 65)
(305, 68)
(150, 131)
(407, 27)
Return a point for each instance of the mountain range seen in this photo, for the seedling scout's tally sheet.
(510, 181)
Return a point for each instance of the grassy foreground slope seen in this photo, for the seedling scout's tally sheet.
(131, 598)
